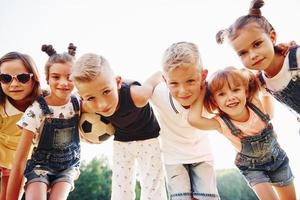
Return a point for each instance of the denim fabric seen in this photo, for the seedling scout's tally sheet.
(261, 159)
(58, 148)
(192, 180)
(260, 152)
(279, 177)
(290, 96)
(50, 178)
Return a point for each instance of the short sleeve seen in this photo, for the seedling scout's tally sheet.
(32, 118)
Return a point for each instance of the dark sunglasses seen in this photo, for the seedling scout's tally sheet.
(22, 78)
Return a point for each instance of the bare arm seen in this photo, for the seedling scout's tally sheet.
(15, 180)
(268, 104)
(196, 117)
(141, 94)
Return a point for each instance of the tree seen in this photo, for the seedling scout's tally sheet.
(94, 182)
(231, 185)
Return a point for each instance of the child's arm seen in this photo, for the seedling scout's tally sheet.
(268, 104)
(16, 176)
(141, 94)
(196, 117)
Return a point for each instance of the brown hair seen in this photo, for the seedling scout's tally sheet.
(254, 15)
(58, 58)
(31, 67)
(230, 76)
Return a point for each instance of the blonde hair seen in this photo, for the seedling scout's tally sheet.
(233, 77)
(89, 66)
(181, 54)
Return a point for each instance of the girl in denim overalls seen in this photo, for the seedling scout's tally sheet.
(51, 125)
(241, 118)
(254, 38)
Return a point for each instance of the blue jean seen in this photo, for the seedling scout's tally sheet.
(191, 180)
(280, 176)
(51, 177)
(263, 160)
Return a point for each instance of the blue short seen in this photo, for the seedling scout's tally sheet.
(280, 176)
(50, 178)
(192, 180)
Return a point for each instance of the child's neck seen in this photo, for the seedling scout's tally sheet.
(275, 66)
(21, 105)
(55, 101)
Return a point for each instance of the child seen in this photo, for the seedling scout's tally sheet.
(20, 85)
(186, 150)
(51, 125)
(254, 38)
(241, 118)
(126, 106)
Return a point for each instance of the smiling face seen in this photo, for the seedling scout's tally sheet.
(231, 99)
(100, 95)
(60, 83)
(254, 46)
(184, 84)
(15, 89)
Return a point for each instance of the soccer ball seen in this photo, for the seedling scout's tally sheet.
(94, 128)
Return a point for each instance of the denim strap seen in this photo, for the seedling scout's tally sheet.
(293, 65)
(257, 111)
(261, 79)
(234, 130)
(43, 105)
(75, 103)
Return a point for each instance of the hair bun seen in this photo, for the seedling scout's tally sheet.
(72, 49)
(48, 49)
(255, 7)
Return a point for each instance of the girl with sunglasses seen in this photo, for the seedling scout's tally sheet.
(20, 86)
(50, 125)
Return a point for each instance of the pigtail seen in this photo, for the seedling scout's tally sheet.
(48, 49)
(255, 6)
(72, 49)
(221, 35)
(253, 83)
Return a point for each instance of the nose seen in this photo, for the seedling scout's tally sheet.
(14, 82)
(253, 54)
(182, 90)
(63, 81)
(101, 105)
(230, 96)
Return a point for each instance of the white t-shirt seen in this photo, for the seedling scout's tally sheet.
(282, 79)
(181, 143)
(33, 117)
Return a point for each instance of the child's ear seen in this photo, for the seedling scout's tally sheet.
(119, 81)
(273, 37)
(204, 75)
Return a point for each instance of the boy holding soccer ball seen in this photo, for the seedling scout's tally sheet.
(126, 106)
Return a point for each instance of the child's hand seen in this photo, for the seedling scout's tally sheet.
(283, 48)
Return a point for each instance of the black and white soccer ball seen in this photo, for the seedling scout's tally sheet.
(94, 128)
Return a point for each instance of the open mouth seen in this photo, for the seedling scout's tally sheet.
(231, 105)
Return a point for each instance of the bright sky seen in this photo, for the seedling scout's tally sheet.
(133, 34)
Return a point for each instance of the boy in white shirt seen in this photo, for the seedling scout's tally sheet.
(186, 151)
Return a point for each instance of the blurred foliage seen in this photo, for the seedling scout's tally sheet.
(94, 183)
(232, 186)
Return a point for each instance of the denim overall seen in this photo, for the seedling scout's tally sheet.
(260, 152)
(58, 148)
(290, 95)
